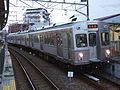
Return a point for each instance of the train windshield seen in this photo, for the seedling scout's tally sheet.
(105, 38)
(81, 40)
(92, 39)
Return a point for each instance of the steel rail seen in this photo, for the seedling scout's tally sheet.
(55, 86)
(26, 74)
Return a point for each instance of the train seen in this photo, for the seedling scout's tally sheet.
(75, 43)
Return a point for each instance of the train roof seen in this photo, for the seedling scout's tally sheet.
(35, 9)
(57, 26)
(53, 27)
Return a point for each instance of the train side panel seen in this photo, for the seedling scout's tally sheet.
(57, 43)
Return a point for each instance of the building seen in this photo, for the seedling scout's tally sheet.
(33, 19)
(17, 27)
(38, 17)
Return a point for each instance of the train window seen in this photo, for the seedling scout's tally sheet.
(92, 39)
(105, 39)
(36, 38)
(41, 37)
(48, 39)
(59, 40)
(52, 39)
(32, 38)
(119, 37)
(81, 40)
(45, 37)
(27, 38)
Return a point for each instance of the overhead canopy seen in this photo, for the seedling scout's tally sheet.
(113, 20)
(4, 10)
(110, 19)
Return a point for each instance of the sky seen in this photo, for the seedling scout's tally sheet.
(97, 9)
(100, 8)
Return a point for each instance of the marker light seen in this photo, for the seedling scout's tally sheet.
(80, 56)
(107, 53)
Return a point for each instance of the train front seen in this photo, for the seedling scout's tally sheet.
(91, 43)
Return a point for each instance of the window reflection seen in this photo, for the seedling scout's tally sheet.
(105, 39)
(92, 39)
(81, 40)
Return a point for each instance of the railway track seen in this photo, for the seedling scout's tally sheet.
(36, 78)
(20, 77)
(58, 75)
(77, 83)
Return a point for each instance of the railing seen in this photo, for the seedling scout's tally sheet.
(115, 46)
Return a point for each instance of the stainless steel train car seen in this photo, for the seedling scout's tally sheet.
(76, 43)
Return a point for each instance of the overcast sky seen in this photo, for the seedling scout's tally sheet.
(100, 8)
(97, 8)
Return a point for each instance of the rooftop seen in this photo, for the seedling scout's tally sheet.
(107, 17)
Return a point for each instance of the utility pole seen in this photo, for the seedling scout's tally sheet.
(88, 10)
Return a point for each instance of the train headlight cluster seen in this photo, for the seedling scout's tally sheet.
(80, 56)
(107, 52)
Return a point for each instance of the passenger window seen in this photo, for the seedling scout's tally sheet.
(59, 40)
(92, 39)
(52, 39)
(81, 40)
(105, 39)
(36, 38)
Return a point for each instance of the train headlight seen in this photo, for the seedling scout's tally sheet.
(108, 61)
(80, 56)
(107, 52)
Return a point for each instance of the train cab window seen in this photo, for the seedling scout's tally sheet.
(105, 39)
(81, 40)
(92, 39)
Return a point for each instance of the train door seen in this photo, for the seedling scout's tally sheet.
(59, 45)
(92, 46)
(30, 41)
(68, 44)
(41, 42)
(20, 40)
(25, 40)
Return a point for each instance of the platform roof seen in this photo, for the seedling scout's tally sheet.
(4, 10)
(115, 19)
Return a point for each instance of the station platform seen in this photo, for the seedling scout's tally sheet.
(113, 70)
(7, 78)
(116, 59)
(111, 78)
